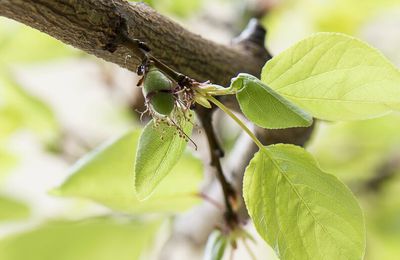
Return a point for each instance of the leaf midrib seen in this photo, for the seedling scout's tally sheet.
(377, 102)
(163, 159)
(297, 193)
(293, 111)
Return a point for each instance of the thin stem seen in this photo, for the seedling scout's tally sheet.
(248, 249)
(231, 253)
(141, 50)
(210, 200)
(237, 120)
(216, 153)
(216, 91)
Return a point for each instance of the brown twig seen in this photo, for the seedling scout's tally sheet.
(385, 172)
(210, 200)
(141, 49)
(216, 153)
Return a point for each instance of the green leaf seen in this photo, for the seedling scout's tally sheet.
(335, 77)
(301, 211)
(265, 107)
(10, 121)
(160, 147)
(216, 245)
(11, 209)
(20, 110)
(106, 176)
(93, 239)
(8, 161)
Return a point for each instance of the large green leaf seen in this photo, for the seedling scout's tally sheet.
(11, 209)
(301, 211)
(20, 110)
(8, 161)
(10, 120)
(335, 77)
(266, 108)
(106, 176)
(160, 148)
(95, 239)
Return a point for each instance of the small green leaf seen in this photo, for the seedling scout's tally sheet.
(301, 211)
(202, 101)
(106, 176)
(11, 209)
(92, 239)
(160, 148)
(335, 77)
(265, 107)
(216, 245)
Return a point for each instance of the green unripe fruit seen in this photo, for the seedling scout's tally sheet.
(156, 89)
(156, 81)
(162, 103)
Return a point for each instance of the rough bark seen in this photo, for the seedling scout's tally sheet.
(93, 26)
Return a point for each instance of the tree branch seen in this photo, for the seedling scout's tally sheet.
(94, 25)
(216, 153)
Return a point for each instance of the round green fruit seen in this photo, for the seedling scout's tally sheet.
(162, 103)
(156, 81)
(157, 89)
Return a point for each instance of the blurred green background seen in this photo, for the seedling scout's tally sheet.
(58, 103)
